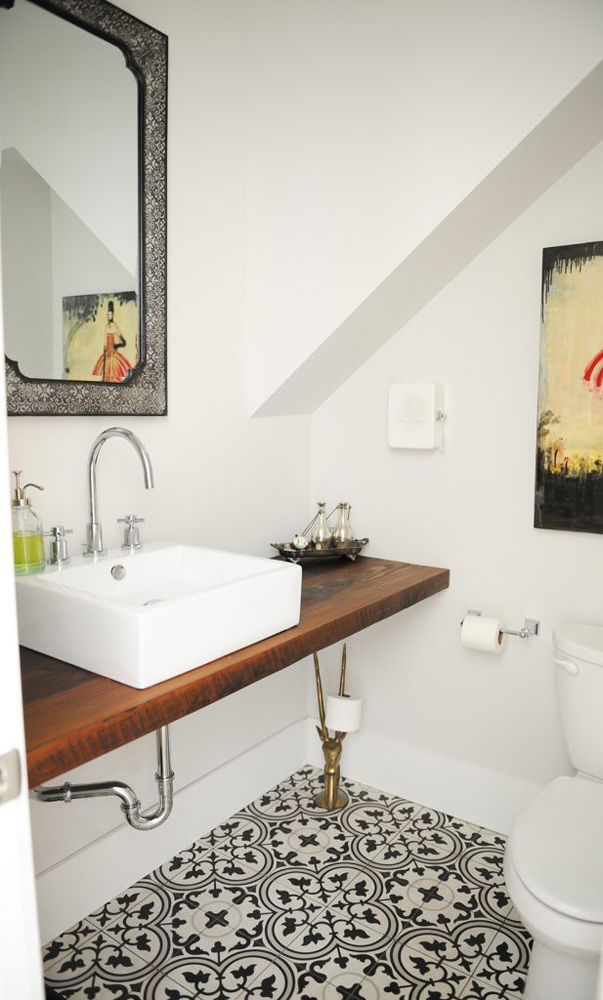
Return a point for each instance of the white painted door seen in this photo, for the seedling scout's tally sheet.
(20, 963)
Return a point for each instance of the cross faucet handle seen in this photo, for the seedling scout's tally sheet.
(59, 553)
(131, 533)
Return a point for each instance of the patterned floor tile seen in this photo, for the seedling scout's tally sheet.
(482, 865)
(369, 821)
(237, 834)
(232, 839)
(434, 847)
(97, 967)
(372, 825)
(338, 929)
(109, 912)
(297, 888)
(344, 984)
(477, 991)
(311, 842)
(413, 975)
(502, 973)
(463, 948)
(238, 830)
(194, 923)
(384, 898)
(431, 901)
(447, 846)
(211, 868)
(290, 798)
(315, 978)
(73, 938)
(257, 973)
(477, 835)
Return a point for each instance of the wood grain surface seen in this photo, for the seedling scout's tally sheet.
(73, 716)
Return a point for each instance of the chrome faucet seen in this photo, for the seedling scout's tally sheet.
(94, 530)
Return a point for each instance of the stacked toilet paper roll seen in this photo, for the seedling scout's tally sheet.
(478, 632)
(343, 713)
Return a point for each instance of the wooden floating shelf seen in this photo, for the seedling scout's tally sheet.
(73, 716)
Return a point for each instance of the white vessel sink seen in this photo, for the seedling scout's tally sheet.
(176, 607)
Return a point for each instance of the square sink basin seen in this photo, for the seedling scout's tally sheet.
(143, 617)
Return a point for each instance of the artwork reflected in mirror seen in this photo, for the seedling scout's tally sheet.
(100, 334)
(569, 463)
(83, 119)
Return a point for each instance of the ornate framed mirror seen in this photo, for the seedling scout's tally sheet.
(83, 226)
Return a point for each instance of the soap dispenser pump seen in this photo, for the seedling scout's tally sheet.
(28, 533)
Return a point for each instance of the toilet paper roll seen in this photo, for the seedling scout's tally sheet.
(478, 632)
(343, 713)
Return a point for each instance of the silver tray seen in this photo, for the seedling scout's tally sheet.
(291, 554)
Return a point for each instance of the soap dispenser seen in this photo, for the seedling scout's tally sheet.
(28, 535)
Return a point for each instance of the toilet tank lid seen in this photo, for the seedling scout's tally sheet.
(583, 641)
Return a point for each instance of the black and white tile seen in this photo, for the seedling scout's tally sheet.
(385, 898)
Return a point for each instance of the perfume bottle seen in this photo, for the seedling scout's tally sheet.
(343, 534)
(322, 537)
(28, 533)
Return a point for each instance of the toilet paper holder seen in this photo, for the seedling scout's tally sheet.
(531, 626)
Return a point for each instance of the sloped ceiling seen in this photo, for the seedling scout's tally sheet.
(561, 139)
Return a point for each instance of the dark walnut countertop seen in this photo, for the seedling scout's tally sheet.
(73, 716)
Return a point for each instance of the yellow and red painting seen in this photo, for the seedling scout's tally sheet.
(100, 336)
(569, 466)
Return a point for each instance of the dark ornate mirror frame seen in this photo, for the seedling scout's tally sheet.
(145, 392)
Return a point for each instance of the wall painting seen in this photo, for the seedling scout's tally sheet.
(569, 463)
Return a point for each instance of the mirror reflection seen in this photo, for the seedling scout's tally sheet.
(68, 200)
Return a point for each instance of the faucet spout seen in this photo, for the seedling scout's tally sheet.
(94, 531)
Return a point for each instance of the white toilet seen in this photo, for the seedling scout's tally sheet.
(554, 856)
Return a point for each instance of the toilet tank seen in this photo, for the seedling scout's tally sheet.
(579, 671)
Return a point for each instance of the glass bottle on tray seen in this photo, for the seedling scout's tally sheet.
(343, 536)
(322, 536)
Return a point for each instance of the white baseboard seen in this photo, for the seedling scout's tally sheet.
(71, 889)
(471, 793)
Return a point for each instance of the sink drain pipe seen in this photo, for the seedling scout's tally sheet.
(130, 803)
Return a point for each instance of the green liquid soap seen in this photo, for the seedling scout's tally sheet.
(29, 553)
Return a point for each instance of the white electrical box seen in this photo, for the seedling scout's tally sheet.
(416, 414)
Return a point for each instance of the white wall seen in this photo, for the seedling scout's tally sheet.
(468, 508)
(221, 478)
(368, 123)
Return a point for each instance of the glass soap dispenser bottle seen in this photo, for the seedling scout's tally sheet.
(28, 533)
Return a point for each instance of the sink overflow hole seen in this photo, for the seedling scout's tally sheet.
(118, 572)
(154, 600)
